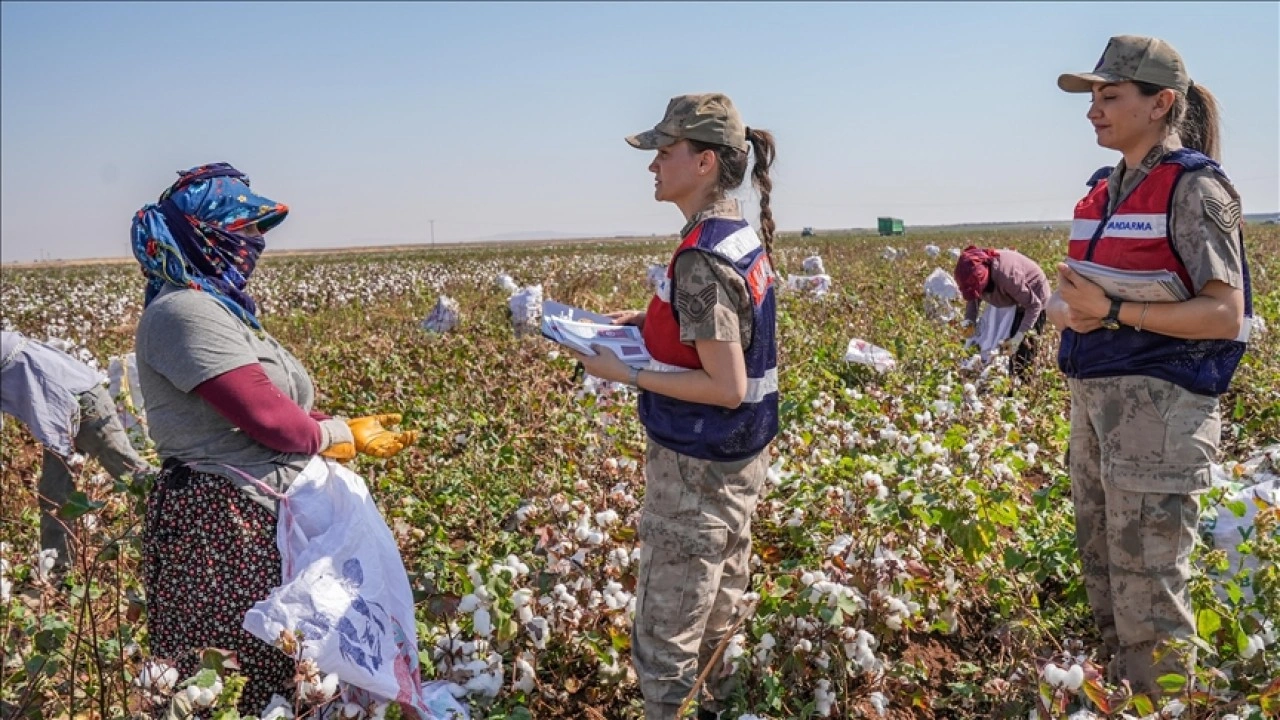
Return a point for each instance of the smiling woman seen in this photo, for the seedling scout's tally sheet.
(1145, 377)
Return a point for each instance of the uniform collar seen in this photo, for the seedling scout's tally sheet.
(1130, 177)
(723, 207)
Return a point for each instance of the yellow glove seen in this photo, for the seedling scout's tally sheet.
(373, 439)
(337, 441)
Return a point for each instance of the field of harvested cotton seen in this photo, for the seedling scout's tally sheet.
(914, 551)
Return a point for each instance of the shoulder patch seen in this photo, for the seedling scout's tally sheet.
(697, 307)
(1226, 215)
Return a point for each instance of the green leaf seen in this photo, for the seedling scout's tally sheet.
(1208, 622)
(1143, 705)
(205, 678)
(77, 505)
(1237, 507)
(1171, 683)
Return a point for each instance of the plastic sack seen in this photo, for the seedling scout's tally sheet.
(954, 253)
(526, 310)
(893, 254)
(994, 326)
(932, 251)
(505, 283)
(816, 284)
(864, 353)
(813, 265)
(1225, 528)
(443, 317)
(126, 390)
(345, 589)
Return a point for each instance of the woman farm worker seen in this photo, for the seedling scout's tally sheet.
(1145, 377)
(1006, 278)
(709, 401)
(223, 398)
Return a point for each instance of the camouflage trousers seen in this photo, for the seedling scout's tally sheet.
(1140, 448)
(694, 569)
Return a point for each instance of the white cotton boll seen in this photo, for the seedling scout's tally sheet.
(796, 519)
(1073, 678)
(522, 676)
(468, 603)
(525, 613)
(519, 598)
(593, 539)
(823, 698)
(607, 518)
(45, 561)
(1252, 646)
(1174, 708)
(879, 702)
(807, 578)
(482, 593)
(822, 660)
(482, 622)
(538, 630)
(583, 529)
(278, 709)
(1053, 675)
(803, 645)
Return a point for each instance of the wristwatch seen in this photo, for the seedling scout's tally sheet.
(1112, 320)
(633, 377)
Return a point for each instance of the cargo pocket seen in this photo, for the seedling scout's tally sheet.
(683, 573)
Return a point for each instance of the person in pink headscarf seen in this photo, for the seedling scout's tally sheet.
(1006, 278)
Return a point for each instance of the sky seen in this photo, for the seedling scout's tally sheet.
(388, 123)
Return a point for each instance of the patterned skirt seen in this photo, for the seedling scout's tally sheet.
(209, 554)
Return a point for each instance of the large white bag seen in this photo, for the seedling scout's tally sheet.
(994, 325)
(940, 290)
(526, 310)
(864, 353)
(443, 317)
(345, 589)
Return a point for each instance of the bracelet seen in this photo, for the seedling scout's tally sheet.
(634, 377)
(1143, 317)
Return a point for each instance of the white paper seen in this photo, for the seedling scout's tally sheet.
(1133, 285)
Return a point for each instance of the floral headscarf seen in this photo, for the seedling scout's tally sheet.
(192, 237)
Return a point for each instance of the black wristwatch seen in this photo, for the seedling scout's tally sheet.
(1112, 320)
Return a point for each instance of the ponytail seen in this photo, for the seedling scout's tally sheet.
(762, 143)
(1199, 124)
(1194, 117)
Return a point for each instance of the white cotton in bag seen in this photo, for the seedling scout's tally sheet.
(345, 590)
(443, 317)
(940, 290)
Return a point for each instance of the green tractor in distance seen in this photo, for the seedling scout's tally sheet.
(891, 226)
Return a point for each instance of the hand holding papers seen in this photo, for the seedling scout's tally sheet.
(1133, 285)
(579, 329)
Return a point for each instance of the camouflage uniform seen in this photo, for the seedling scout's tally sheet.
(1140, 447)
(696, 521)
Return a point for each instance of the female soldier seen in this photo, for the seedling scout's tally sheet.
(1006, 278)
(1145, 377)
(229, 410)
(709, 401)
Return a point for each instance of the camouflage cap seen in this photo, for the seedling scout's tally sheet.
(1132, 58)
(710, 117)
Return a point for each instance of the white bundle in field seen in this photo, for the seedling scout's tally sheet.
(955, 253)
(526, 310)
(444, 316)
(816, 284)
(126, 390)
(940, 290)
(813, 265)
(892, 253)
(932, 251)
(656, 275)
(994, 325)
(864, 353)
(1255, 489)
(506, 284)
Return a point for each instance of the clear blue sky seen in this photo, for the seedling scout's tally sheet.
(369, 120)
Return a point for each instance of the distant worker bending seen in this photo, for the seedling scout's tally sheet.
(1006, 278)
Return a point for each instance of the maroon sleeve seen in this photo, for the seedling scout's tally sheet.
(248, 399)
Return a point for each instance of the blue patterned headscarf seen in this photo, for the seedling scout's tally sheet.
(192, 237)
